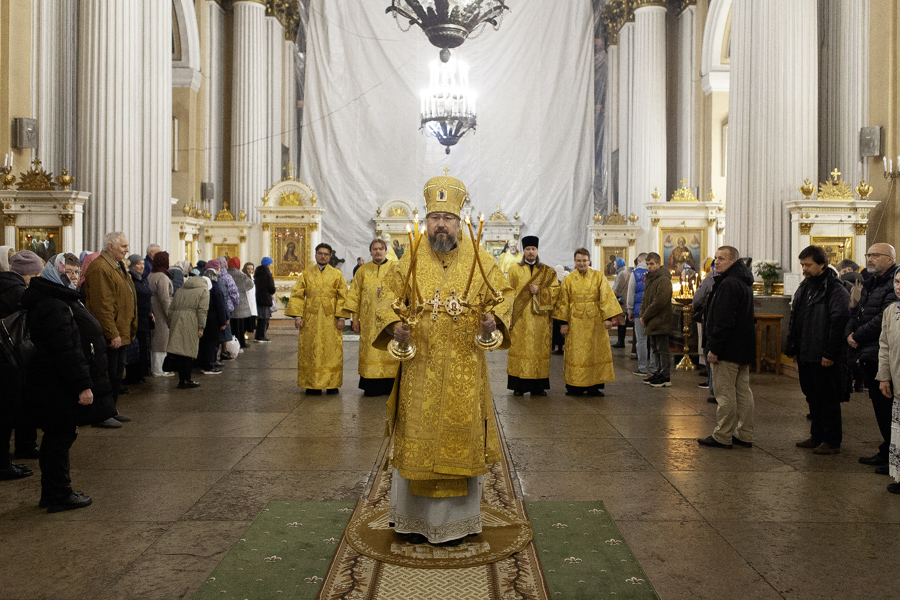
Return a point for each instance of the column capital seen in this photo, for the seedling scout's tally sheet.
(610, 25)
(260, 2)
(639, 4)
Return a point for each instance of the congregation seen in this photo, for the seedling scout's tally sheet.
(104, 321)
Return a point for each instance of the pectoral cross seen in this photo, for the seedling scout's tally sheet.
(435, 303)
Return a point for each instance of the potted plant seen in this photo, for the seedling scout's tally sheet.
(768, 271)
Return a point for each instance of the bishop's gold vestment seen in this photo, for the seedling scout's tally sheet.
(318, 297)
(441, 413)
(532, 328)
(362, 300)
(585, 301)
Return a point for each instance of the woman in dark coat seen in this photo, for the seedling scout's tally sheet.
(216, 320)
(138, 367)
(66, 381)
(265, 290)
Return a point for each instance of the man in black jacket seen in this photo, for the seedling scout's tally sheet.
(731, 342)
(864, 329)
(819, 313)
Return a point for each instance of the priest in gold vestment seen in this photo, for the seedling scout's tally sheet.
(588, 307)
(317, 305)
(441, 412)
(377, 368)
(536, 288)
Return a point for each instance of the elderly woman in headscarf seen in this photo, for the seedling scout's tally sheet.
(85, 263)
(6, 253)
(137, 363)
(161, 290)
(216, 322)
(232, 299)
(241, 313)
(67, 379)
(620, 289)
(187, 320)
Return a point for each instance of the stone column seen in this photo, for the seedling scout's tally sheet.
(612, 113)
(248, 108)
(109, 114)
(215, 97)
(289, 100)
(685, 126)
(54, 79)
(274, 61)
(155, 167)
(773, 121)
(647, 168)
(843, 87)
(627, 202)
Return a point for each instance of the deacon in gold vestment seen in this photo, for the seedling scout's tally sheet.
(589, 307)
(536, 289)
(441, 412)
(377, 368)
(317, 305)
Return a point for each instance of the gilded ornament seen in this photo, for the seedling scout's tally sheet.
(398, 212)
(265, 226)
(313, 226)
(598, 218)
(654, 222)
(863, 189)
(10, 220)
(207, 215)
(835, 188)
(805, 228)
(182, 235)
(66, 220)
(242, 216)
(861, 228)
(656, 195)
(265, 200)
(7, 178)
(516, 216)
(186, 209)
(711, 196)
(36, 178)
(637, 4)
(616, 218)
(64, 180)
(807, 189)
(683, 194)
(242, 239)
(378, 211)
(498, 217)
(225, 214)
(313, 200)
(710, 222)
(292, 199)
(208, 239)
(633, 219)
(631, 242)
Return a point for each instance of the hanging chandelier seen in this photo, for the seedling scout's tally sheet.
(448, 105)
(448, 23)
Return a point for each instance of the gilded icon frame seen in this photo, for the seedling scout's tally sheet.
(837, 247)
(226, 250)
(43, 241)
(608, 268)
(694, 245)
(290, 261)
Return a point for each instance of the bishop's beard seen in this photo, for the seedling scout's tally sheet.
(441, 244)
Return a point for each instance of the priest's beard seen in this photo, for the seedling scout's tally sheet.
(441, 244)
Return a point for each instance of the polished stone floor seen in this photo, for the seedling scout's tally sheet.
(175, 489)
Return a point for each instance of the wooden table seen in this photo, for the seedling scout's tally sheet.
(768, 322)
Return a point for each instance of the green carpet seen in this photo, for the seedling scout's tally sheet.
(284, 553)
(583, 554)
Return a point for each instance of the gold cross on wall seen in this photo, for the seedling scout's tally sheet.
(835, 174)
(446, 171)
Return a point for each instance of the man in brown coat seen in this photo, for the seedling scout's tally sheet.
(112, 299)
(656, 317)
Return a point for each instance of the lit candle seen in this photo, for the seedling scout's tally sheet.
(12, 157)
(6, 160)
(472, 270)
(481, 225)
(411, 262)
(884, 158)
(891, 166)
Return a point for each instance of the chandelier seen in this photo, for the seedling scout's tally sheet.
(448, 105)
(448, 23)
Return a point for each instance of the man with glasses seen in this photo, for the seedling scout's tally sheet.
(863, 331)
(317, 305)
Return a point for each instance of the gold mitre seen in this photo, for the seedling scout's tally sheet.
(444, 194)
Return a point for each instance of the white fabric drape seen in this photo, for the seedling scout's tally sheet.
(532, 152)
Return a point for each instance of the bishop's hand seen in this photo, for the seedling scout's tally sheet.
(488, 324)
(401, 334)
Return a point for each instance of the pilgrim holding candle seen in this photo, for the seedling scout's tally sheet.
(441, 412)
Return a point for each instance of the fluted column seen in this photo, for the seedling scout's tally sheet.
(647, 166)
(248, 108)
(843, 87)
(274, 97)
(612, 119)
(54, 84)
(685, 128)
(109, 113)
(289, 102)
(625, 106)
(156, 125)
(773, 128)
(215, 97)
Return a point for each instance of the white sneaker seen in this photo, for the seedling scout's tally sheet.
(163, 374)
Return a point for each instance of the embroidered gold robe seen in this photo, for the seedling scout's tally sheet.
(442, 413)
(318, 297)
(585, 301)
(362, 300)
(532, 328)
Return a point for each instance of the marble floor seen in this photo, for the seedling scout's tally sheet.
(175, 489)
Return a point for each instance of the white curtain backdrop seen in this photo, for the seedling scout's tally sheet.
(532, 152)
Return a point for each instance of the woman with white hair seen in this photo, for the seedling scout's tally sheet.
(888, 373)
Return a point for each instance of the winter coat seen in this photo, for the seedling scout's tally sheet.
(729, 326)
(701, 297)
(187, 316)
(265, 291)
(244, 284)
(656, 304)
(161, 290)
(229, 288)
(70, 356)
(217, 315)
(142, 289)
(12, 286)
(177, 279)
(865, 319)
(111, 298)
(819, 313)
